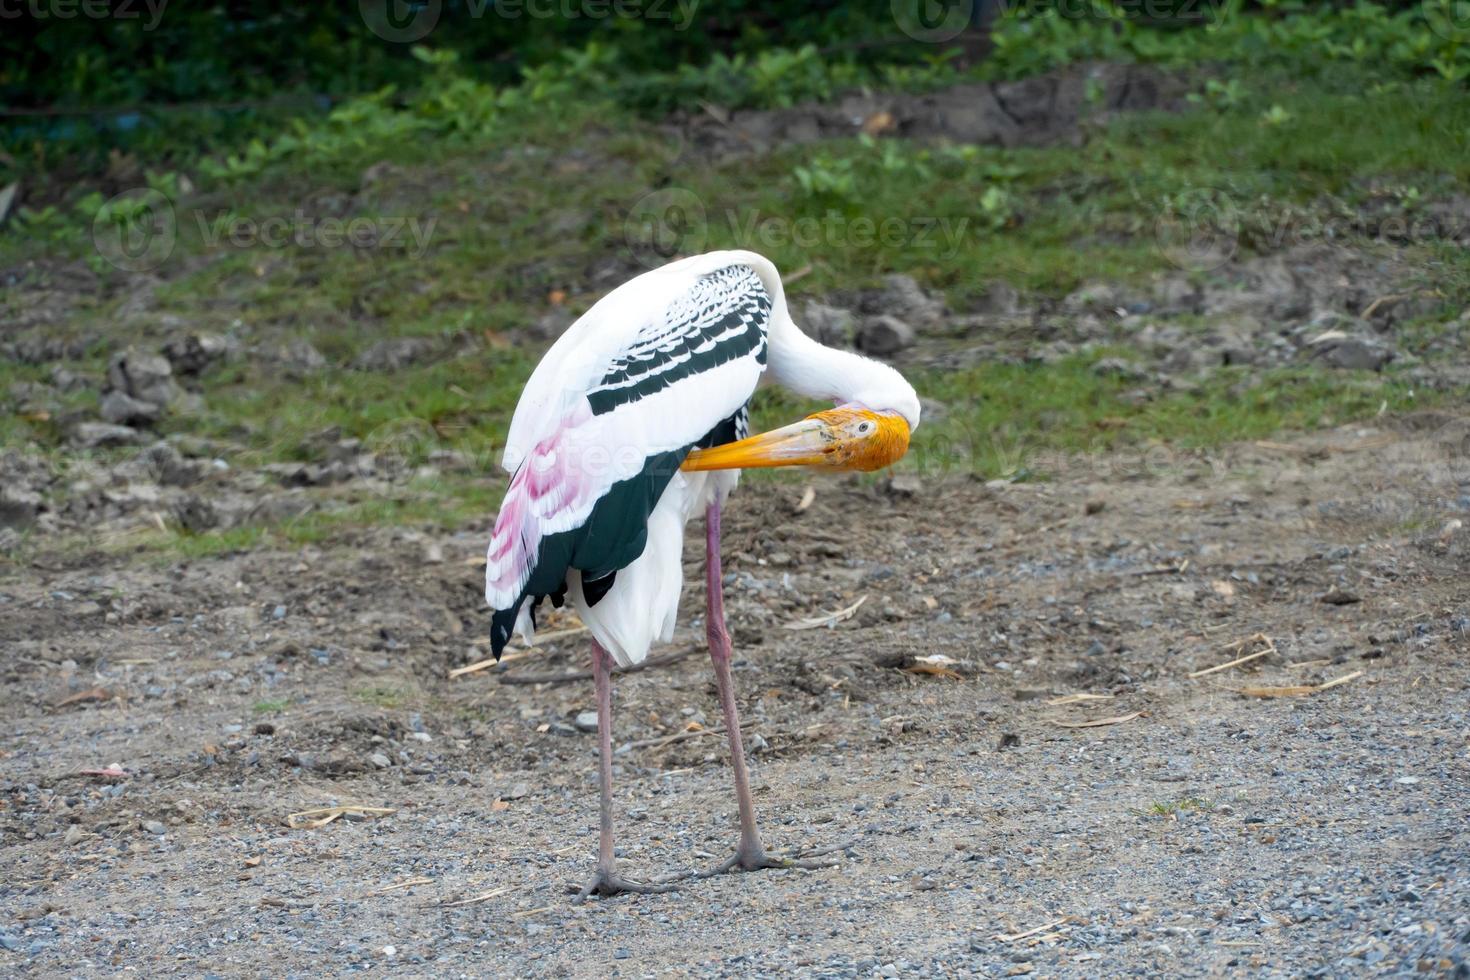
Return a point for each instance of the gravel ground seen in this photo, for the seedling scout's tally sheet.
(1210, 833)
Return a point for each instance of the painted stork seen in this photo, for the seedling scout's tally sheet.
(636, 420)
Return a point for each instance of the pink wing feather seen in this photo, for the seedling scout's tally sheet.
(550, 492)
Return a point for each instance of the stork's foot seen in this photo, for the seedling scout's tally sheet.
(756, 858)
(606, 883)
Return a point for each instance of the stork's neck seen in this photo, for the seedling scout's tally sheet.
(803, 365)
(798, 362)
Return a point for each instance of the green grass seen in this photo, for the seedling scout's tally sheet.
(516, 224)
(384, 696)
(270, 706)
(1172, 808)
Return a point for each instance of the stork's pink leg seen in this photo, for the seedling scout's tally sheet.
(751, 854)
(607, 881)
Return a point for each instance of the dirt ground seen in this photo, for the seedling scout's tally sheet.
(1193, 830)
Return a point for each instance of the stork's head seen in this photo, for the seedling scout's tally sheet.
(848, 437)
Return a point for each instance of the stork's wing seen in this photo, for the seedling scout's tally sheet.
(646, 375)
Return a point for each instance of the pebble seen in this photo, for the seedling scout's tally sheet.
(154, 827)
(380, 760)
(587, 721)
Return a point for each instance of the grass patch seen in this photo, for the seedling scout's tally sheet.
(270, 706)
(384, 696)
(1173, 808)
(520, 229)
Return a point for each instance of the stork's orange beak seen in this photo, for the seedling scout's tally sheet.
(842, 438)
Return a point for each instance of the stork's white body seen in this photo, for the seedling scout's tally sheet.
(597, 502)
(555, 434)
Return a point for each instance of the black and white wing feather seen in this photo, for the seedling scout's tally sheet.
(662, 364)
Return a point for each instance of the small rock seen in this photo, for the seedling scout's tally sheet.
(169, 467)
(73, 834)
(146, 377)
(902, 296)
(1117, 367)
(904, 485)
(193, 353)
(298, 359)
(121, 408)
(519, 791)
(587, 721)
(393, 354)
(65, 379)
(1094, 506)
(1350, 353)
(195, 514)
(433, 553)
(154, 827)
(19, 507)
(1339, 597)
(104, 435)
(379, 760)
(829, 324)
(553, 323)
(884, 335)
(1000, 299)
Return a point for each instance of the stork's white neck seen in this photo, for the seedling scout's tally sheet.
(798, 362)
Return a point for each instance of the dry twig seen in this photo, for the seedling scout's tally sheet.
(321, 816)
(1099, 722)
(1297, 690)
(1080, 698)
(1262, 638)
(828, 619)
(1013, 937)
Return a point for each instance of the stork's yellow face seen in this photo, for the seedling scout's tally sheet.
(844, 438)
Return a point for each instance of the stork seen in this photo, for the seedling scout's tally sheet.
(635, 421)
